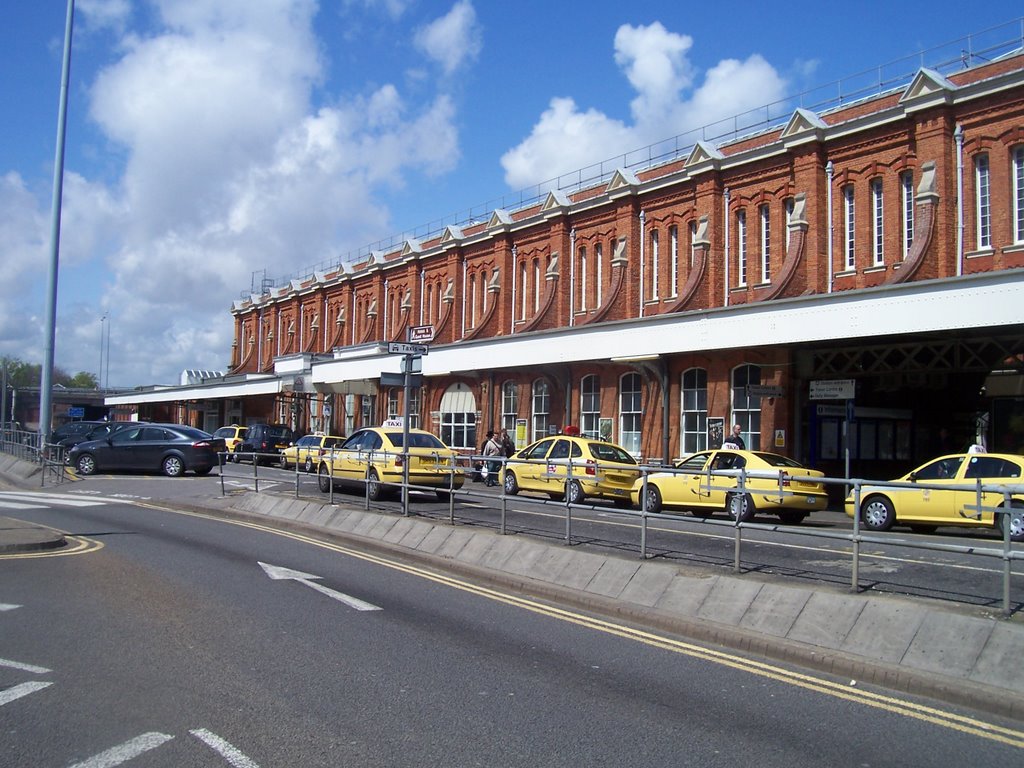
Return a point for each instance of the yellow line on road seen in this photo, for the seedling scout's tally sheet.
(904, 707)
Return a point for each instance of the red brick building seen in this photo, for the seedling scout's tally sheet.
(874, 250)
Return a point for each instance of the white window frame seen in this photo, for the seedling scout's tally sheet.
(907, 187)
(540, 408)
(590, 405)
(1017, 172)
(878, 222)
(599, 272)
(655, 257)
(983, 201)
(509, 406)
(741, 247)
(631, 412)
(765, 215)
(673, 244)
(583, 278)
(850, 227)
(694, 410)
(746, 409)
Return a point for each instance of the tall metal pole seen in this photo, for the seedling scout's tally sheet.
(46, 386)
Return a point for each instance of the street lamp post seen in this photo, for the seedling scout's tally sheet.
(45, 393)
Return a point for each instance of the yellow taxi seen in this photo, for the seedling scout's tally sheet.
(949, 495)
(307, 450)
(573, 465)
(233, 434)
(772, 484)
(372, 459)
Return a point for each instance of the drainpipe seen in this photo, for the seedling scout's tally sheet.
(829, 172)
(572, 276)
(725, 197)
(665, 405)
(386, 316)
(958, 136)
(643, 259)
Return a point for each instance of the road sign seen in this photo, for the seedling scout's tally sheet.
(398, 380)
(400, 348)
(833, 389)
(764, 390)
(421, 333)
(76, 412)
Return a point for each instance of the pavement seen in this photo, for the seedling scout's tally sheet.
(965, 656)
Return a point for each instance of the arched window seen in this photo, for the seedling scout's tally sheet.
(849, 227)
(907, 191)
(655, 264)
(673, 255)
(695, 410)
(741, 247)
(746, 409)
(598, 273)
(458, 417)
(536, 285)
(590, 406)
(472, 301)
(1017, 175)
(983, 201)
(541, 409)
(524, 290)
(630, 412)
(583, 286)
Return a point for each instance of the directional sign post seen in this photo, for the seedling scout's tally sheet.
(412, 354)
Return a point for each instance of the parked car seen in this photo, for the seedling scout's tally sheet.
(101, 430)
(263, 442)
(72, 429)
(925, 509)
(599, 469)
(170, 448)
(373, 456)
(233, 434)
(772, 486)
(307, 450)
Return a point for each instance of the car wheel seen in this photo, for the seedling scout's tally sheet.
(877, 513)
(575, 492)
(654, 500)
(203, 471)
(324, 480)
(308, 465)
(374, 488)
(236, 456)
(86, 464)
(511, 484)
(702, 512)
(792, 516)
(173, 466)
(443, 495)
(1015, 519)
(740, 507)
(918, 528)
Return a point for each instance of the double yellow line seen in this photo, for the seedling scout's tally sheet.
(904, 707)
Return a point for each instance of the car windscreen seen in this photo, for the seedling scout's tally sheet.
(774, 460)
(417, 440)
(609, 452)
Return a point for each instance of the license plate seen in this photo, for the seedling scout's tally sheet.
(810, 500)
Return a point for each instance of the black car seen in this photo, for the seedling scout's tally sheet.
(266, 441)
(100, 430)
(73, 429)
(170, 448)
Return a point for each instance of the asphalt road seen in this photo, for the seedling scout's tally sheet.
(165, 642)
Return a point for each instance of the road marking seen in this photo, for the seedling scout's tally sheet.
(23, 689)
(74, 545)
(125, 752)
(223, 748)
(13, 498)
(8, 607)
(24, 667)
(277, 572)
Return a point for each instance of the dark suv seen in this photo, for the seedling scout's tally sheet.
(266, 441)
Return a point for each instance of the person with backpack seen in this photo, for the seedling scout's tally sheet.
(492, 447)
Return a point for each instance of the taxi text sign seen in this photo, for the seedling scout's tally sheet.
(400, 348)
(833, 389)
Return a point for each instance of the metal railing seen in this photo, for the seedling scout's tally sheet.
(24, 445)
(453, 487)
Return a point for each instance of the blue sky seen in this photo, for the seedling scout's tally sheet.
(209, 140)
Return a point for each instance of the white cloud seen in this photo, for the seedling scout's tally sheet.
(229, 169)
(670, 100)
(454, 39)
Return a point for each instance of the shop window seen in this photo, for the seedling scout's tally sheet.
(746, 408)
(630, 412)
(695, 410)
(458, 417)
(590, 406)
(541, 408)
